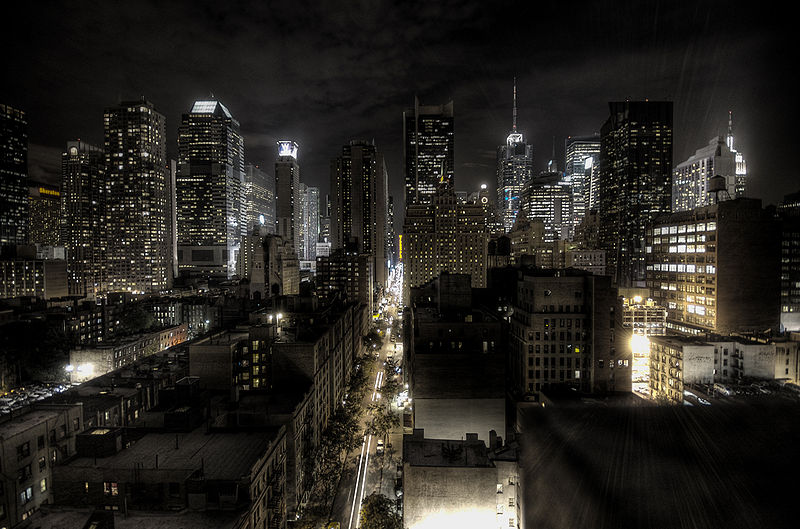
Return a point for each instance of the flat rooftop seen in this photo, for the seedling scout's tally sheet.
(421, 452)
(224, 456)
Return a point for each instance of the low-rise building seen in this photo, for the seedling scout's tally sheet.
(32, 442)
(458, 483)
(87, 362)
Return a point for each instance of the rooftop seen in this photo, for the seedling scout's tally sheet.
(223, 456)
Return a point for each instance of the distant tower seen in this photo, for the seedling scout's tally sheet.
(428, 153)
(13, 176)
(136, 207)
(581, 155)
(210, 190)
(514, 171)
(692, 178)
(741, 164)
(288, 213)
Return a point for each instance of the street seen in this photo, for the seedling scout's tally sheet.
(368, 470)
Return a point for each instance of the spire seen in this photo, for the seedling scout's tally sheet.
(514, 121)
(729, 138)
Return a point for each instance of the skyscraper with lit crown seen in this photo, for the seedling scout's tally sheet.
(288, 213)
(514, 171)
(210, 190)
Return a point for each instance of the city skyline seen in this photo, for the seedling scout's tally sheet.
(709, 59)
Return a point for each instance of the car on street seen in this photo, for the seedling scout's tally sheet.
(379, 448)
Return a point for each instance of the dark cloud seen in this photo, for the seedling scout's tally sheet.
(326, 72)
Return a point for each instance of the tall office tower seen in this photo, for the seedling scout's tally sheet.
(325, 219)
(359, 195)
(172, 219)
(581, 155)
(741, 164)
(716, 268)
(13, 176)
(309, 223)
(259, 198)
(44, 215)
(690, 179)
(443, 236)
(548, 198)
(288, 214)
(428, 152)
(514, 171)
(789, 212)
(83, 213)
(136, 203)
(391, 254)
(635, 182)
(210, 190)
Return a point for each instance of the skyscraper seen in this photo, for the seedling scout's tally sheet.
(210, 190)
(428, 152)
(359, 195)
(13, 176)
(581, 155)
(83, 213)
(443, 236)
(44, 215)
(514, 171)
(309, 225)
(136, 206)
(741, 164)
(690, 179)
(259, 193)
(549, 199)
(288, 214)
(635, 182)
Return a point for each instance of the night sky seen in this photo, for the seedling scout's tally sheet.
(328, 72)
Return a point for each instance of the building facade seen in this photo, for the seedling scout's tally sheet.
(137, 198)
(83, 213)
(716, 269)
(567, 331)
(549, 198)
(428, 151)
(288, 213)
(210, 191)
(359, 196)
(690, 179)
(44, 215)
(581, 155)
(13, 176)
(635, 182)
(443, 236)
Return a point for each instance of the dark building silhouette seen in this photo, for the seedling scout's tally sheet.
(635, 183)
(13, 176)
(428, 151)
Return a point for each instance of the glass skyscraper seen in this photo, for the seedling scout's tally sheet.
(210, 190)
(428, 153)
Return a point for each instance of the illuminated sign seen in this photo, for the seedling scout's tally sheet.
(587, 163)
(400, 246)
(52, 192)
(261, 219)
(287, 148)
